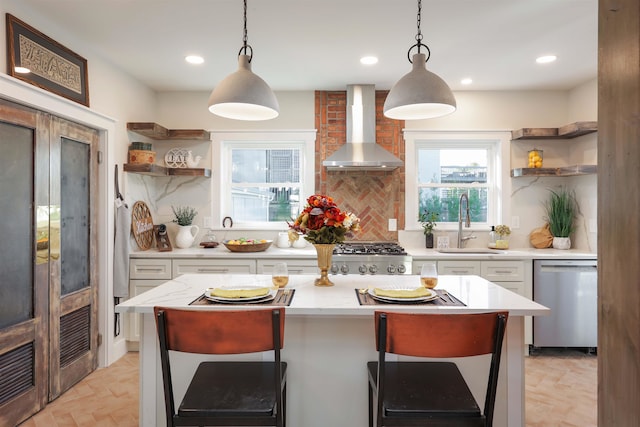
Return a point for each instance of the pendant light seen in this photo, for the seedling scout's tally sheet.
(243, 95)
(420, 94)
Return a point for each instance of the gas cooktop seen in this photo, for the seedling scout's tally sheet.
(369, 248)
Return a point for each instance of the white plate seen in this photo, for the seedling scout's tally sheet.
(261, 298)
(373, 295)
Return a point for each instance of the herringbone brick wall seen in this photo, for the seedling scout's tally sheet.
(375, 196)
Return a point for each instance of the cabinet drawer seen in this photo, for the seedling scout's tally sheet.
(295, 266)
(213, 266)
(503, 271)
(150, 268)
(516, 287)
(459, 267)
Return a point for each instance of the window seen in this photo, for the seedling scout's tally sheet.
(446, 165)
(263, 177)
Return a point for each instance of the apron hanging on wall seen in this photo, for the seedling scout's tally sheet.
(120, 251)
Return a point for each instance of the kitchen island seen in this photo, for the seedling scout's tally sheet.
(328, 340)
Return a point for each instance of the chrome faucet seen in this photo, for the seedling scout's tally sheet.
(463, 240)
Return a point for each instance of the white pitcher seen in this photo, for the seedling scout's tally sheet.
(283, 240)
(186, 236)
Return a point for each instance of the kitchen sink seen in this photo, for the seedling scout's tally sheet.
(470, 251)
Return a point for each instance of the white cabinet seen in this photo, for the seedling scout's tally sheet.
(295, 266)
(144, 274)
(150, 269)
(459, 267)
(213, 266)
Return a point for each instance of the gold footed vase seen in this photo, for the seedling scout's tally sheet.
(325, 252)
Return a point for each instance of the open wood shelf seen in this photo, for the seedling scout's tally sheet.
(157, 170)
(155, 131)
(574, 170)
(572, 130)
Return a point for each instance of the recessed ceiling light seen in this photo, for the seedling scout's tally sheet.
(194, 59)
(466, 81)
(369, 60)
(21, 70)
(546, 59)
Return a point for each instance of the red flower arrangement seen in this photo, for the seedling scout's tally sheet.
(322, 222)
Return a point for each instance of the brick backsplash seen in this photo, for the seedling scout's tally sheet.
(375, 196)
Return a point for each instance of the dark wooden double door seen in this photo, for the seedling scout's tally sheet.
(48, 280)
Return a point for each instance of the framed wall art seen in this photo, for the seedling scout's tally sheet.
(39, 60)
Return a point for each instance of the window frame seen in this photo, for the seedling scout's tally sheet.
(497, 172)
(225, 141)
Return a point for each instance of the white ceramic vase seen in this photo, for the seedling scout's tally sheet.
(561, 243)
(186, 236)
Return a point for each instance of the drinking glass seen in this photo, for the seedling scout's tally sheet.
(429, 275)
(280, 275)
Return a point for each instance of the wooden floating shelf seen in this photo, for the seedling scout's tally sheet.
(155, 131)
(157, 170)
(574, 170)
(569, 131)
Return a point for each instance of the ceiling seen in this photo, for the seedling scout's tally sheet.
(316, 44)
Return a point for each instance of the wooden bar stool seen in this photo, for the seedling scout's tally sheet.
(432, 393)
(225, 393)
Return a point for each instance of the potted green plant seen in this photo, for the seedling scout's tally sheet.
(561, 211)
(184, 218)
(428, 221)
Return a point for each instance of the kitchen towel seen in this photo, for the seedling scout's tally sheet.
(121, 251)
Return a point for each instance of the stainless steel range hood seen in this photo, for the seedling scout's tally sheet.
(361, 151)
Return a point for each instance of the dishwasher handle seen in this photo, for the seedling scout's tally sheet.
(568, 268)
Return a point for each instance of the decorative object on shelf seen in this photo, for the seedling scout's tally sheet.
(502, 236)
(428, 221)
(323, 224)
(39, 60)
(535, 158)
(561, 210)
(141, 153)
(192, 162)
(176, 158)
(420, 94)
(142, 225)
(243, 95)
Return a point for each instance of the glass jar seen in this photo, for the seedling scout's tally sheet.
(535, 158)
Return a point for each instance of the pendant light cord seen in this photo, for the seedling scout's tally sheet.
(419, 43)
(245, 45)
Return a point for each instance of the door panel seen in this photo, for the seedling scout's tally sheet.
(23, 282)
(73, 285)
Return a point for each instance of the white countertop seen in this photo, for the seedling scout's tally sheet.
(340, 300)
(418, 253)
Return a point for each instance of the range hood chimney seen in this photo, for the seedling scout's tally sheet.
(361, 151)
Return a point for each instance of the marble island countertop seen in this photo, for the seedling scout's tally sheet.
(340, 300)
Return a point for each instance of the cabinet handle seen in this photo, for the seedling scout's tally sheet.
(503, 272)
(298, 271)
(460, 271)
(212, 270)
(149, 268)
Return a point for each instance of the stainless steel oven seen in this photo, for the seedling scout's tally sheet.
(385, 258)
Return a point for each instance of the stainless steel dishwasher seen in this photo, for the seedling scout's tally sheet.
(570, 289)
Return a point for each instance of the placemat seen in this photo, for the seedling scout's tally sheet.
(283, 299)
(445, 299)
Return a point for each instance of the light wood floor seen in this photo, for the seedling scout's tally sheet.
(561, 391)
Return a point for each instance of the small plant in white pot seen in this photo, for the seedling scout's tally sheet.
(184, 218)
(561, 211)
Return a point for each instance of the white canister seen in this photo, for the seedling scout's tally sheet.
(300, 243)
(283, 240)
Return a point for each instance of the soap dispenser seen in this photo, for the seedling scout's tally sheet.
(492, 237)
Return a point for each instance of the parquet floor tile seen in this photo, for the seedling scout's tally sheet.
(561, 391)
